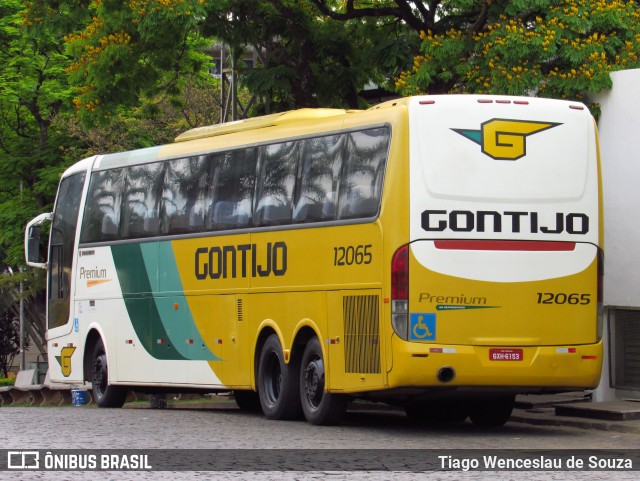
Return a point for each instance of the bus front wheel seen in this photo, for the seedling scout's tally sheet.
(104, 394)
(277, 382)
(318, 406)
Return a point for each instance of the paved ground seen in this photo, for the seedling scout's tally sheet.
(575, 410)
(534, 425)
(569, 410)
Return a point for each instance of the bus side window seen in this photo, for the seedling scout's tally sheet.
(102, 212)
(184, 194)
(276, 182)
(363, 173)
(232, 181)
(143, 193)
(321, 160)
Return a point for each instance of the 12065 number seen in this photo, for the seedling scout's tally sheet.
(350, 255)
(563, 298)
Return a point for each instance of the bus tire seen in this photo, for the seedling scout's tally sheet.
(493, 412)
(247, 400)
(104, 394)
(277, 382)
(319, 407)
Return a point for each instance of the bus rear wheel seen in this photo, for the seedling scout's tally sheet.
(492, 412)
(104, 394)
(319, 407)
(277, 382)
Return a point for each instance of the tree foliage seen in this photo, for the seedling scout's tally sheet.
(9, 341)
(9, 330)
(40, 134)
(33, 93)
(154, 121)
(32, 296)
(129, 50)
(309, 59)
(416, 14)
(551, 48)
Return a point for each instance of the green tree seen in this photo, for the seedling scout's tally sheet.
(310, 60)
(136, 49)
(156, 120)
(418, 15)
(551, 48)
(9, 341)
(33, 93)
(131, 50)
(32, 296)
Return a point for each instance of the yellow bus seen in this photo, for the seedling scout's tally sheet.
(439, 253)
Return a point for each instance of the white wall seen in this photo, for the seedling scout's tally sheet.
(619, 128)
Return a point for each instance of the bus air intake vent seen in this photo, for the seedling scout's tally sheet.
(362, 334)
(239, 307)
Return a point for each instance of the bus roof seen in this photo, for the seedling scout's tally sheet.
(259, 123)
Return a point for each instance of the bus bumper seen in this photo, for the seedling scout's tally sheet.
(525, 367)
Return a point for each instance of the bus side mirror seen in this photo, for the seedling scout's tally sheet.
(33, 251)
(32, 241)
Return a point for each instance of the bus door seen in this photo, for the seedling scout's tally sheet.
(61, 249)
(62, 244)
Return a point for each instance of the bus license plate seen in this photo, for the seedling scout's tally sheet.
(505, 354)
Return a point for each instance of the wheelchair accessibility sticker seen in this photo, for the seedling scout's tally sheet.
(422, 326)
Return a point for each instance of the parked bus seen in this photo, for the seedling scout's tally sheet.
(440, 253)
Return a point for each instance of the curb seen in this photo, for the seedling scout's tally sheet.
(549, 419)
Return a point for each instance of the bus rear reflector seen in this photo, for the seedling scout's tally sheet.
(504, 245)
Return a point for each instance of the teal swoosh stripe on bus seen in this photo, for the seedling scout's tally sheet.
(178, 323)
(142, 310)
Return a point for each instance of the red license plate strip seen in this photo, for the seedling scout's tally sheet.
(505, 354)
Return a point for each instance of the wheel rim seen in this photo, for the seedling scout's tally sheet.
(314, 382)
(273, 379)
(100, 374)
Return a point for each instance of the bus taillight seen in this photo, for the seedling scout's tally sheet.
(400, 292)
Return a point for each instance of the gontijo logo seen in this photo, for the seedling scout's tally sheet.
(504, 139)
(64, 359)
